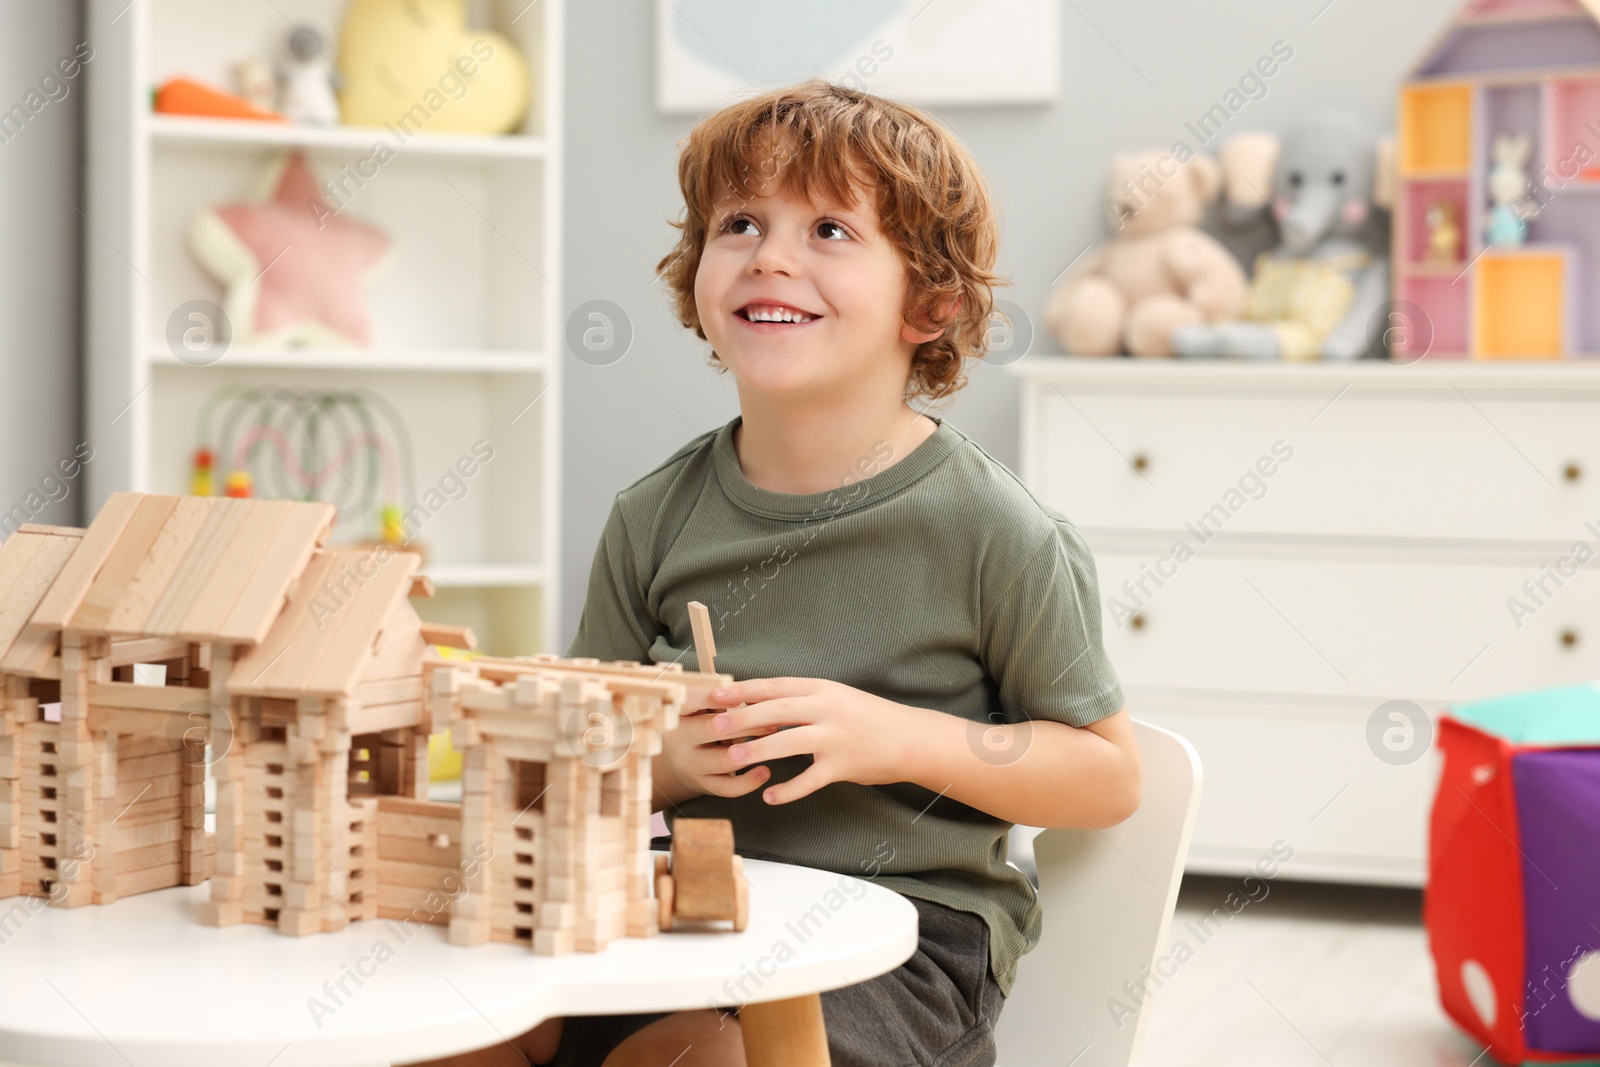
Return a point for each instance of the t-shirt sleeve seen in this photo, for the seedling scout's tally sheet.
(616, 622)
(1040, 639)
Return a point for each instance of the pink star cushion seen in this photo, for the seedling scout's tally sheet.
(296, 272)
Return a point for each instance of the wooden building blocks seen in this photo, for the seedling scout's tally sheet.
(109, 799)
(556, 793)
(181, 635)
(703, 879)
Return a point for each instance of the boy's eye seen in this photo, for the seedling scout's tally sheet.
(745, 226)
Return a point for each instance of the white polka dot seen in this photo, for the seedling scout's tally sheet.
(1480, 991)
(1583, 985)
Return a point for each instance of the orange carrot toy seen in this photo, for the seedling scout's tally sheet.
(183, 96)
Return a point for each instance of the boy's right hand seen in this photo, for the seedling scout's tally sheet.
(700, 758)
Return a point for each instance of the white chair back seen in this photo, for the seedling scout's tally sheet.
(1108, 898)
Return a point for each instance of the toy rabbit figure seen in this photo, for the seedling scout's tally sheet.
(252, 79)
(1444, 233)
(1508, 181)
(306, 81)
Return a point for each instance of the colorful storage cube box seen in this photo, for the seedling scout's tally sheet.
(1513, 899)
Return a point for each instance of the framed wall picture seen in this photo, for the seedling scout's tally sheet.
(710, 53)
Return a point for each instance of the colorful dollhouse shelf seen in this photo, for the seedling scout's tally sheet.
(1527, 68)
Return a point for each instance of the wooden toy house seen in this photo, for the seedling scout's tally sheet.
(109, 799)
(556, 789)
(329, 720)
(1502, 69)
(181, 634)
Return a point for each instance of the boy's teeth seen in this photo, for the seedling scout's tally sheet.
(776, 314)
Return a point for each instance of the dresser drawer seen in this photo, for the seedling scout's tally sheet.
(1444, 463)
(1302, 774)
(1407, 628)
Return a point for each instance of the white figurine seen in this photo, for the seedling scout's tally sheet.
(252, 80)
(306, 94)
(1508, 184)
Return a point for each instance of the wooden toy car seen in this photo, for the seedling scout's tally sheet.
(704, 881)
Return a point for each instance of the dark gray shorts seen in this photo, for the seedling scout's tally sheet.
(937, 1009)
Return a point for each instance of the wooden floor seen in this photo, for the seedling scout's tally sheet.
(1311, 974)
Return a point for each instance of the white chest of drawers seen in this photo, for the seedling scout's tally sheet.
(1284, 549)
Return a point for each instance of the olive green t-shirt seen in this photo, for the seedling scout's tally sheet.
(938, 581)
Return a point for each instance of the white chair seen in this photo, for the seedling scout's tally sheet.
(1108, 898)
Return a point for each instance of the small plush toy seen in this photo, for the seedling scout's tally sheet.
(1317, 294)
(185, 96)
(306, 94)
(295, 269)
(1158, 273)
(1239, 218)
(1444, 233)
(415, 64)
(253, 81)
(1508, 186)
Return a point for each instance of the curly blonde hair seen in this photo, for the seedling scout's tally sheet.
(933, 205)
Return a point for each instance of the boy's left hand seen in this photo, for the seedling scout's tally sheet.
(852, 735)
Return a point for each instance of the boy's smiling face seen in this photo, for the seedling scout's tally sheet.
(804, 299)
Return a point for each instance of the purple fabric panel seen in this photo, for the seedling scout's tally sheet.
(1558, 820)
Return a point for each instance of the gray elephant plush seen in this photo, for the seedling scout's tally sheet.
(1319, 294)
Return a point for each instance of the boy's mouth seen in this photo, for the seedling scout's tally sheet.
(782, 314)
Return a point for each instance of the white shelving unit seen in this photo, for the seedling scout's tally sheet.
(467, 326)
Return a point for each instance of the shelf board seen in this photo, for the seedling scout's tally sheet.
(485, 575)
(449, 361)
(1422, 269)
(183, 129)
(1579, 184)
(1547, 73)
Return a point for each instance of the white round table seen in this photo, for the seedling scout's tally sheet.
(140, 983)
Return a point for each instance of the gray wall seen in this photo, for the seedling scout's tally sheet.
(1134, 73)
(39, 254)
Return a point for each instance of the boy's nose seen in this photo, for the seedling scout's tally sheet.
(775, 254)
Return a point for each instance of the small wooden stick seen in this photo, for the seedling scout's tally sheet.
(704, 647)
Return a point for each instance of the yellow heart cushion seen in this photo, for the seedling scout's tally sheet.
(414, 64)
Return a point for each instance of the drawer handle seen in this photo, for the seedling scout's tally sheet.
(1141, 462)
(1569, 638)
(1573, 472)
(1137, 621)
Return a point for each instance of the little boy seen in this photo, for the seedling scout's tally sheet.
(917, 637)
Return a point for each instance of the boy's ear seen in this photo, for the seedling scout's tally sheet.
(947, 312)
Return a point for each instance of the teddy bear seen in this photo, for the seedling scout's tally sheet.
(1158, 273)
